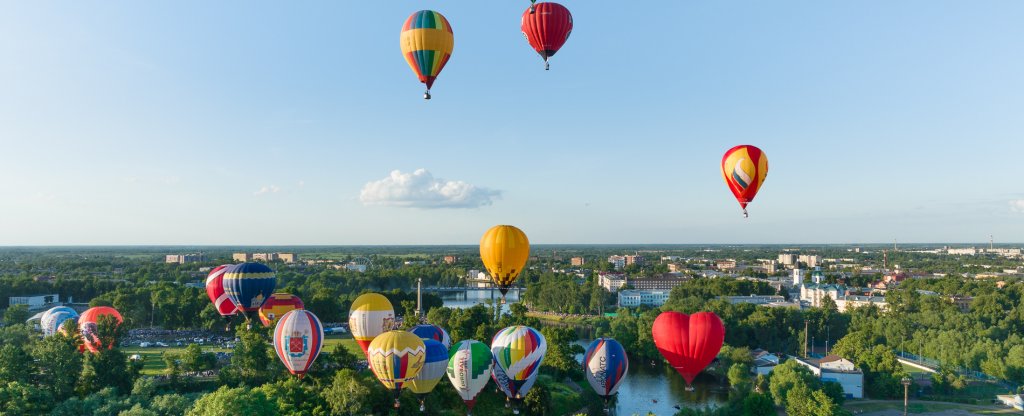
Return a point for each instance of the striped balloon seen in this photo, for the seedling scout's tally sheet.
(215, 290)
(396, 357)
(52, 321)
(249, 285)
(434, 332)
(427, 42)
(518, 352)
(298, 338)
(277, 305)
(605, 364)
(469, 364)
(434, 366)
(371, 315)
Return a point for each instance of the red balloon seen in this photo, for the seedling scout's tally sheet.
(689, 343)
(88, 325)
(547, 26)
(215, 290)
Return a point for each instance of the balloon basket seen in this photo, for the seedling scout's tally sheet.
(423, 408)
(547, 66)
(745, 215)
(690, 388)
(426, 95)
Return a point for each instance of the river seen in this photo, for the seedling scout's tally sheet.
(656, 389)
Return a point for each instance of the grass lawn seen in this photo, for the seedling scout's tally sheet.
(918, 407)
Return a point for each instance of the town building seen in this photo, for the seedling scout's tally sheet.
(788, 260)
(764, 362)
(811, 260)
(288, 257)
(754, 299)
(770, 266)
(184, 258)
(633, 298)
(844, 298)
(611, 281)
(664, 282)
(636, 259)
(619, 262)
(451, 259)
(241, 257)
(962, 302)
(577, 261)
(836, 369)
(266, 257)
(34, 302)
(725, 264)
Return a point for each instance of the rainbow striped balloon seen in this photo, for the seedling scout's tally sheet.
(518, 352)
(298, 338)
(427, 42)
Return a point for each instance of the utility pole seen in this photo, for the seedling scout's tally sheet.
(419, 297)
(805, 338)
(991, 242)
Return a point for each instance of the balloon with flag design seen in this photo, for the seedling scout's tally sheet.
(688, 342)
(427, 42)
(215, 290)
(248, 285)
(298, 339)
(605, 365)
(371, 314)
(396, 357)
(88, 325)
(469, 366)
(744, 169)
(277, 305)
(434, 332)
(504, 250)
(434, 366)
(518, 352)
(546, 26)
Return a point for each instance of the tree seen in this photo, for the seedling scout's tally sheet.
(294, 398)
(739, 377)
(15, 315)
(170, 404)
(20, 398)
(348, 394)
(537, 401)
(60, 364)
(108, 367)
(250, 363)
(757, 404)
(786, 377)
(233, 401)
(15, 364)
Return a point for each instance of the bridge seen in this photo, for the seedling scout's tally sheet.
(464, 290)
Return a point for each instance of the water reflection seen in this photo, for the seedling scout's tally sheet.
(472, 297)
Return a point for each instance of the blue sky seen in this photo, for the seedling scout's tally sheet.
(272, 123)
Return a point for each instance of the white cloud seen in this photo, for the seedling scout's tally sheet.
(267, 189)
(1017, 205)
(420, 189)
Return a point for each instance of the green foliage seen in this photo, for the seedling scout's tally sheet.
(108, 367)
(15, 364)
(251, 360)
(233, 401)
(295, 398)
(537, 401)
(788, 376)
(59, 363)
(758, 404)
(21, 398)
(349, 394)
(560, 358)
(15, 315)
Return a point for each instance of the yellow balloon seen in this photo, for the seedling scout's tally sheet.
(396, 357)
(504, 250)
(370, 316)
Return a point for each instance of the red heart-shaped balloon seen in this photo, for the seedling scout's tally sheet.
(689, 343)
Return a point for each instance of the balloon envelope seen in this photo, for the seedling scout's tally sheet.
(371, 315)
(504, 250)
(298, 339)
(396, 357)
(248, 285)
(518, 352)
(688, 343)
(52, 321)
(215, 291)
(434, 332)
(605, 365)
(88, 326)
(546, 26)
(469, 366)
(744, 169)
(427, 42)
(434, 366)
(277, 305)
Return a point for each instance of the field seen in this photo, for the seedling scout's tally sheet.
(895, 407)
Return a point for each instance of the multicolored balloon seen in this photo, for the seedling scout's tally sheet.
(434, 332)
(371, 315)
(215, 290)
(396, 358)
(605, 365)
(277, 305)
(298, 338)
(688, 343)
(248, 285)
(53, 318)
(546, 26)
(518, 351)
(434, 366)
(504, 250)
(427, 42)
(88, 326)
(744, 169)
(469, 365)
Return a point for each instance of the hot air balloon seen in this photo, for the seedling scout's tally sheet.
(469, 365)
(215, 290)
(88, 326)
(546, 26)
(518, 352)
(396, 357)
(605, 364)
(277, 305)
(53, 318)
(434, 332)
(504, 250)
(248, 285)
(744, 168)
(298, 338)
(434, 366)
(371, 315)
(511, 389)
(688, 343)
(427, 42)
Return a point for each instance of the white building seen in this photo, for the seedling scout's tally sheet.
(798, 277)
(754, 299)
(837, 369)
(812, 260)
(788, 259)
(764, 362)
(633, 298)
(618, 261)
(33, 302)
(611, 281)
